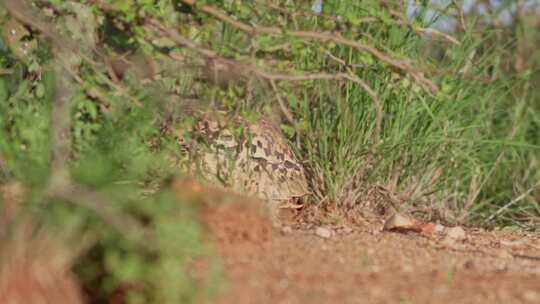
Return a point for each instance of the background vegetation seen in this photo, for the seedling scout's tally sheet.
(385, 112)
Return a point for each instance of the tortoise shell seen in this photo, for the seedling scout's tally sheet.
(252, 158)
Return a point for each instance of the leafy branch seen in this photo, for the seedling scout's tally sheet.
(335, 37)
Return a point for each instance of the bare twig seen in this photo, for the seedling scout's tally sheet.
(461, 14)
(286, 112)
(403, 21)
(61, 128)
(343, 62)
(466, 68)
(282, 104)
(5, 71)
(512, 202)
(436, 32)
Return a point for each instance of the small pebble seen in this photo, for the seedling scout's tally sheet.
(531, 296)
(399, 222)
(286, 229)
(439, 229)
(457, 233)
(325, 233)
(347, 230)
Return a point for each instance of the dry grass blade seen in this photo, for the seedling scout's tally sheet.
(512, 202)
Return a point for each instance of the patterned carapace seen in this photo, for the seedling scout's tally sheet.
(248, 157)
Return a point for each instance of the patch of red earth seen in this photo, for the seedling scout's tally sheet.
(237, 228)
(33, 267)
(236, 223)
(370, 266)
(35, 270)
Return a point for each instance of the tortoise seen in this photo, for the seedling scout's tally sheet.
(248, 157)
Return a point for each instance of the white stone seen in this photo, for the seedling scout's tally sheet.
(457, 233)
(325, 233)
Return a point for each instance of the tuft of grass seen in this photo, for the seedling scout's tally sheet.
(456, 155)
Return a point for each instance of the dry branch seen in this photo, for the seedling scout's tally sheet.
(250, 69)
(337, 38)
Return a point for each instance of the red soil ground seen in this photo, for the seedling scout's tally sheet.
(363, 264)
(358, 262)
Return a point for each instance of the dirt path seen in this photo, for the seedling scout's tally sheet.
(367, 265)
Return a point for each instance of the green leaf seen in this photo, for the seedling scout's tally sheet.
(352, 17)
(366, 58)
(287, 130)
(40, 90)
